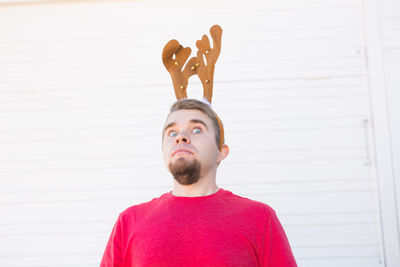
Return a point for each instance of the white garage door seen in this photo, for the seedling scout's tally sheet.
(84, 95)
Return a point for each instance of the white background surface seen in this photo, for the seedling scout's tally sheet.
(84, 95)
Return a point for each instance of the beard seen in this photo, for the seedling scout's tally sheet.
(185, 172)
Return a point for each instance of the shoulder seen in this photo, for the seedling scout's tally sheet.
(139, 210)
(248, 205)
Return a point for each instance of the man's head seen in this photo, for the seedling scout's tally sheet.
(193, 104)
(192, 143)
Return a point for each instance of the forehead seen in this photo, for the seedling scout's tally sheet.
(184, 116)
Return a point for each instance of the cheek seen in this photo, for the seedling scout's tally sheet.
(164, 149)
(165, 158)
(209, 151)
(167, 147)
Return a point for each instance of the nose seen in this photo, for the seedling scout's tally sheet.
(182, 139)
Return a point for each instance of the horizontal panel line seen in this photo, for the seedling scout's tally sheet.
(131, 36)
(298, 160)
(301, 181)
(81, 200)
(305, 214)
(145, 104)
(56, 223)
(153, 136)
(111, 44)
(360, 116)
(263, 109)
(46, 255)
(392, 47)
(152, 155)
(107, 189)
(291, 118)
(52, 233)
(314, 192)
(56, 202)
(167, 188)
(158, 88)
(299, 149)
(139, 125)
(246, 81)
(354, 44)
(311, 214)
(338, 257)
(293, 225)
(123, 17)
(340, 246)
(132, 166)
(95, 263)
(286, 225)
(17, 96)
(77, 59)
(7, 141)
(81, 159)
(100, 231)
(123, 126)
(123, 74)
(287, 118)
(43, 100)
(118, 167)
(383, 18)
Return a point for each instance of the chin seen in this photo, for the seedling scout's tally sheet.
(185, 171)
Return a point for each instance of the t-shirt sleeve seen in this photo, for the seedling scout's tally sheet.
(277, 251)
(112, 256)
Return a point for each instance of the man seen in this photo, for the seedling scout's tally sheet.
(197, 223)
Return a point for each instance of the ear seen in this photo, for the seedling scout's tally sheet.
(223, 153)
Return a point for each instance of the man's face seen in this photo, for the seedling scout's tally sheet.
(189, 147)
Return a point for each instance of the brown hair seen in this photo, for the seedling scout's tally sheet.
(206, 109)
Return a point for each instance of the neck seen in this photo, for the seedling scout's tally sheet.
(205, 186)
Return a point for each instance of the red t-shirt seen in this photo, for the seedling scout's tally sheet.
(221, 229)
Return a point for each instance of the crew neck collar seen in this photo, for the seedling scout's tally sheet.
(219, 192)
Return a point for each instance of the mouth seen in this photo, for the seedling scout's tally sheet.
(181, 151)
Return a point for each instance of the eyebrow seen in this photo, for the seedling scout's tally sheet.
(193, 121)
(169, 125)
(199, 121)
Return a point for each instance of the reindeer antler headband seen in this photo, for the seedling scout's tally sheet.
(174, 57)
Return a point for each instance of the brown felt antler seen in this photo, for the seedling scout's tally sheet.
(206, 72)
(174, 57)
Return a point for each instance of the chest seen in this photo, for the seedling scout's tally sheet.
(193, 239)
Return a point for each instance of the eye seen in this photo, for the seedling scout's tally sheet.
(196, 131)
(172, 133)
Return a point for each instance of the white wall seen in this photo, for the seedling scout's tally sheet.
(381, 30)
(84, 94)
(389, 21)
